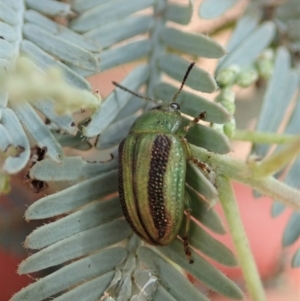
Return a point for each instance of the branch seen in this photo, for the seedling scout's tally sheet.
(245, 173)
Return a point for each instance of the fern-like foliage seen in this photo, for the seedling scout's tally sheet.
(27, 32)
(96, 254)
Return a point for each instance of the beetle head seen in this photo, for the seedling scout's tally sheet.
(164, 118)
(172, 107)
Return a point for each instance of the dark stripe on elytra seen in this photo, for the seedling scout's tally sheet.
(158, 165)
(121, 188)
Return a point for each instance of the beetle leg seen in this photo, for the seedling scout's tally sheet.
(205, 168)
(193, 122)
(208, 172)
(185, 237)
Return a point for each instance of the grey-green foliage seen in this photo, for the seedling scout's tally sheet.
(26, 31)
(210, 9)
(250, 37)
(83, 230)
(84, 239)
(282, 93)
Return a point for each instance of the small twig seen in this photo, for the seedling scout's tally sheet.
(244, 173)
(262, 137)
(241, 243)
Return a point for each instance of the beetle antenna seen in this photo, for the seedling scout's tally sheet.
(183, 81)
(134, 93)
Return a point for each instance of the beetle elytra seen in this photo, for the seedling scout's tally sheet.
(152, 171)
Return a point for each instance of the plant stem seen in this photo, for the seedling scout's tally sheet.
(260, 137)
(244, 173)
(231, 211)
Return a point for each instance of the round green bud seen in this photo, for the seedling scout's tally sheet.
(227, 99)
(265, 64)
(247, 77)
(227, 76)
(229, 128)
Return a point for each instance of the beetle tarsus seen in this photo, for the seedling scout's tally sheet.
(208, 172)
(187, 249)
(203, 166)
(193, 122)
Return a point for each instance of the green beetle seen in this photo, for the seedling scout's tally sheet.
(152, 171)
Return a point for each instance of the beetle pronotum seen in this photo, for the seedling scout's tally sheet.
(152, 170)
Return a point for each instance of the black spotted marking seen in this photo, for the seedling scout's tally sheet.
(158, 164)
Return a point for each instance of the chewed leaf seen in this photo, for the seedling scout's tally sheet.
(35, 126)
(18, 138)
(65, 122)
